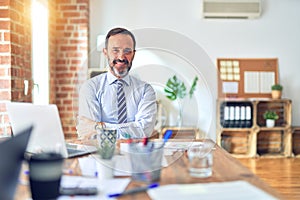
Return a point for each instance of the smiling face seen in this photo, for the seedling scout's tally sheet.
(120, 53)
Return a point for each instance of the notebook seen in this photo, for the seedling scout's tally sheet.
(12, 153)
(48, 133)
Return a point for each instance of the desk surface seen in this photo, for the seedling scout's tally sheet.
(225, 168)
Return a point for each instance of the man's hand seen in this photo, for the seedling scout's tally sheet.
(85, 128)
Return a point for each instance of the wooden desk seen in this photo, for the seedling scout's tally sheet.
(225, 168)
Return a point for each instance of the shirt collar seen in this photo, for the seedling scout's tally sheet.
(111, 78)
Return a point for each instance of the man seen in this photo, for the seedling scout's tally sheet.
(99, 100)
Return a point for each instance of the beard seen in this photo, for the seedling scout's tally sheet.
(117, 71)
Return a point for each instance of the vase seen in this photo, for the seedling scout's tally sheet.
(270, 123)
(276, 94)
(180, 113)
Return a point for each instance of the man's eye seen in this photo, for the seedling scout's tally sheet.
(116, 50)
(127, 51)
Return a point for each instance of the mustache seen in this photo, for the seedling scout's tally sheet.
(119, 60)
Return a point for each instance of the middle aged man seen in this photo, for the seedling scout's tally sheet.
(117, 99)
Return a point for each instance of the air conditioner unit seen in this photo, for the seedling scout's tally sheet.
(231, 8)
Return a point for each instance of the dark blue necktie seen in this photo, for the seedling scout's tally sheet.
(122, 114)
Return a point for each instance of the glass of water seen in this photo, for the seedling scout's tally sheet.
(200, 159)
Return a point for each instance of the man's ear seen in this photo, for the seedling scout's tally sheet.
(104, 50)
(133, 54)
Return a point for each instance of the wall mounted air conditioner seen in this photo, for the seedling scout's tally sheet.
(231, 8)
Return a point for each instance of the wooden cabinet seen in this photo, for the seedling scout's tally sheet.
(242, 131)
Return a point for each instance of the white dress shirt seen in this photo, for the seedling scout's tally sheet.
(98, 102)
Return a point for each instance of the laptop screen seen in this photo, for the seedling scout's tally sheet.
(48, 133)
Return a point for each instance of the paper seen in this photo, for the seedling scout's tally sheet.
(230, 87)
(105, 187)
(215, 191)
(258, 82)
(267, 79)
(251, 82)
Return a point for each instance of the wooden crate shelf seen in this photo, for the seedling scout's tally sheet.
(270, 142)
(257, 139)
(296, 141)
(235, 142)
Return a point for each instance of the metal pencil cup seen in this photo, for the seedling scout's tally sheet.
(145, 162)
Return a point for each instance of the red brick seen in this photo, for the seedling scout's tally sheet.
(61, 21)
(3, 71)
(6, 36)
(5, 95)
(63, 1)
(4, 2)
(82, 1)
(4, 48)
(4, 13)
(4, 25)
(79, 21)
(74, 54)
(71, 14)
(68, 48)
(70, 28)
(4, 60)
(5, 83)
(68, 7)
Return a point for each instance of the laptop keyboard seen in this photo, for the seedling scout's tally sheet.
(73, 151)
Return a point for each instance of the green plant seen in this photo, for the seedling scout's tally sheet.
(270, 114)
(175, 88)
(277, 87)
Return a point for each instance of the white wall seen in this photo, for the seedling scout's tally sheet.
(275, 34)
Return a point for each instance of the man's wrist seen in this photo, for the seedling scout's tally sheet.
(99, 125)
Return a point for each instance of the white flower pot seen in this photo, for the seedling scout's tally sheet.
(270, 123)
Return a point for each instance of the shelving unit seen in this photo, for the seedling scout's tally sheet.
(242, 131)
(296, 141)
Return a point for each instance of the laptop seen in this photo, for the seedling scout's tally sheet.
(48, 133)
(12, 153)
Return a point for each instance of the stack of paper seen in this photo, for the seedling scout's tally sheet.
(215, 191)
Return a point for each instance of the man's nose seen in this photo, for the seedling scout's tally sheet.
(121, 55)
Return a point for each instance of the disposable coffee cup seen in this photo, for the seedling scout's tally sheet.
(45, 171)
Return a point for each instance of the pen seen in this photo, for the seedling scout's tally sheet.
(135, 190)
(145, 141)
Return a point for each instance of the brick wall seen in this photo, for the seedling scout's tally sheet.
(68, 52)
(15, 56)
(20, 32)
(52, 50)
(72, 20)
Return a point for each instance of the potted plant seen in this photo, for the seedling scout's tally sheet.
(276, 91)
(270, 116)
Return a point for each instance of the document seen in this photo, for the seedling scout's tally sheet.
(235, 190)
(251, 82)
(258, 82)
(267, 79)
(230, 87)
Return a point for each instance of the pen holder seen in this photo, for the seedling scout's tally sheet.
(106, 142)
(145, 162)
